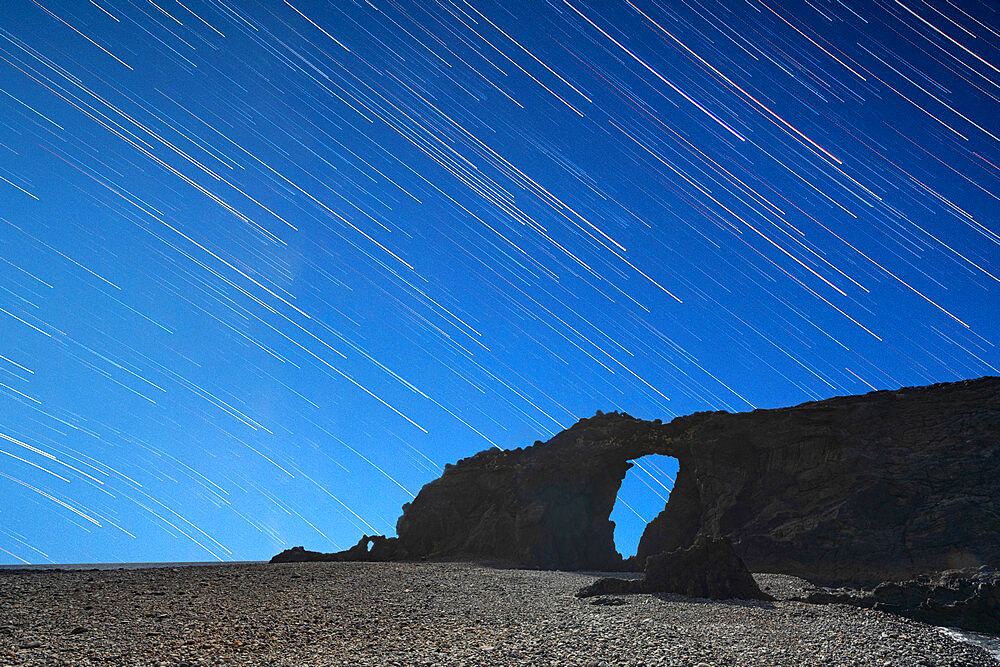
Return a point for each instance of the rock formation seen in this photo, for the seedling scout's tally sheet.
(368, 548)
(968, 599)
(545, 506)
(303, 555)
(856, 489)
(852, 490)
(709, 568)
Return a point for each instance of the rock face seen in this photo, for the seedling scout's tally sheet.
(968, 599)
(857, 489)
(709, 568)
(852, 490)
(545, 506)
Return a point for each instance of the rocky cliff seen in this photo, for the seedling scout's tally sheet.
(851, 490)
(545, 506)
(856, 489)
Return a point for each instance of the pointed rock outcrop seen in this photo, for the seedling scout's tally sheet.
(709, 569)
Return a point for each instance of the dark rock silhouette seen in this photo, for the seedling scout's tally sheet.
(301, 555)
(545, 506)
(857, 489)
(852, 490)
(967, 599)
(709, 568)
(611, 586)
(368, 548)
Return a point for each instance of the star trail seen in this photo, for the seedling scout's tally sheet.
(267, 266)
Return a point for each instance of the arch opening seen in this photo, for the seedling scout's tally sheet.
(643, 494)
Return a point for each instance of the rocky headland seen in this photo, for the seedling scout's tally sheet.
(968, 599)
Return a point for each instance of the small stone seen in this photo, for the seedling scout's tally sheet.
(31, 645)
(609, 601)
(79, 630)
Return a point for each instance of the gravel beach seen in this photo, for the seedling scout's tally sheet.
(429, 614)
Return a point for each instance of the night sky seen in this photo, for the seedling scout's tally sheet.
(265, 267)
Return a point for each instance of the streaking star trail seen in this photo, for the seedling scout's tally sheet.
(265, 267)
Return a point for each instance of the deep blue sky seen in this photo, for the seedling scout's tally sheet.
(266, 266)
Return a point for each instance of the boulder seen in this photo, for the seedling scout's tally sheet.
(299, 555)
(546, 506)
(709, 568)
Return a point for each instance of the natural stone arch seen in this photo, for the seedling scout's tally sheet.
(548, 505)
(852, 490)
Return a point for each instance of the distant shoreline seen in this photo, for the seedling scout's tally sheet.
(119, 566)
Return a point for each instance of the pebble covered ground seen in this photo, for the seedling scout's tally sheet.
(429, 614)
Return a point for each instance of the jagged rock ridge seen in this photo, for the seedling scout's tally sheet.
(851, 490)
